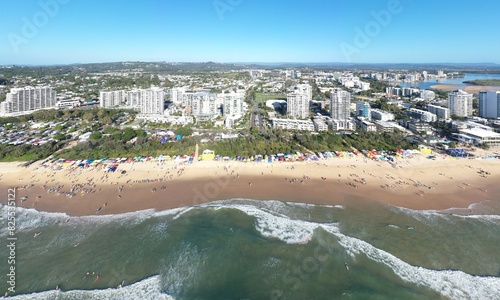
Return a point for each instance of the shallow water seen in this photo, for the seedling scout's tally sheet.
(245, 249)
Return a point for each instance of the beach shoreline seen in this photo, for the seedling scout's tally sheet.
(416, 183)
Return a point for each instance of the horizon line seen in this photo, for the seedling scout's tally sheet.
(261, 63)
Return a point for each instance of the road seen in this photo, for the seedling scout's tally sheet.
(256, 118)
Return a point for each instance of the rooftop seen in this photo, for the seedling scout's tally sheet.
(480, 133)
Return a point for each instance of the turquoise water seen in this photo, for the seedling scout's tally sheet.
(245, 249)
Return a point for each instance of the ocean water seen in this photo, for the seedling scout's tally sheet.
(246, 249)
(453, 81)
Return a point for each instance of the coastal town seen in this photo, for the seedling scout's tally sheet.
(137, 128)
(217, 102)
(232, 149)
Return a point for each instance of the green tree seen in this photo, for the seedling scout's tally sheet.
(141, 133)
(88, 116)
(106, 120)
(59, 137)
(96, 136)
(184, 131)
(128, 134)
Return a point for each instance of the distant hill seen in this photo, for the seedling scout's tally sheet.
(175, 67)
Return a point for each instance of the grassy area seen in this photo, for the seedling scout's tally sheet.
(263, 97)
(365, 98)
(492, 82)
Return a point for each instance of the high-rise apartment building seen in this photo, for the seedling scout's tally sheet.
(110, 99)
(297, 102)
(233, 105)
(363, 109)
(340, 104)
(28, 99)
(489, 104)
(203, 105)
(460, 103)
(177, 95)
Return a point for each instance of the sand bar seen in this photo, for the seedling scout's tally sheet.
(468, 88)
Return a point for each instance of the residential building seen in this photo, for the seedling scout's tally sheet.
(367, 126)
(147, 101)
(421, 115)
(442, 113)
(340, 103)
(27, 100)
(320, 124)
(203, 105)
(479, 137)
(177, 95)
(381, 115)
(293, 124)
(461, 125)
(68, 102)
(489, 104)
(134, 99)
(420, 127)
(427, 95)
(298, 102)
(351, 81)
(233, 105)
(395, 91)
(173, 120)
(384, 126)
(460, 103)
(363, 109)
(109, 99)
(342, 125)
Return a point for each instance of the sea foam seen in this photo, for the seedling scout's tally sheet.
(271, 223)
(453, 284)
(147, 289)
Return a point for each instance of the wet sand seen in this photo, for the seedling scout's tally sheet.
(416, 183)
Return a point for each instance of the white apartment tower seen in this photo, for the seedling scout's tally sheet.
(298, 100)
(233, 105)
(203, 105)
(28, 99)
(177, 95)
(147, 101)
(110, 99)
(489, 104)
(340, 104)
(460, 103)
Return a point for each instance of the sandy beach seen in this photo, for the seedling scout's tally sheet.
(416, 183)
(469, 89)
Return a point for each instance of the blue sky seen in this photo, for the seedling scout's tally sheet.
(406, 31)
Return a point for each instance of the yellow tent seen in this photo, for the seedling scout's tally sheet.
(208, 155)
